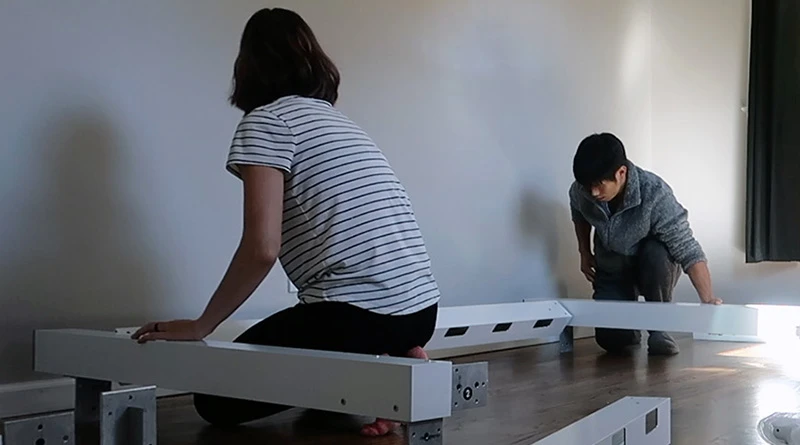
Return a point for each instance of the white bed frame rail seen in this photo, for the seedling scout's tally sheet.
(727, 319)
(411, 390)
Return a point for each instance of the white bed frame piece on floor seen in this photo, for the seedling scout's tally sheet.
(411, 390)
(628, 421)
(673, 317)
(465, 326)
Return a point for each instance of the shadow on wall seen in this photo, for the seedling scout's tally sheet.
(547, 223)
(79, 254)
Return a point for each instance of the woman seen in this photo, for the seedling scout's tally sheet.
(321, 197)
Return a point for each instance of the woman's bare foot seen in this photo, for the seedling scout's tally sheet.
(417, 352)
(382, 427)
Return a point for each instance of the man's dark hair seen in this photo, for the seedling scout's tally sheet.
(598, 158)
(280, 56)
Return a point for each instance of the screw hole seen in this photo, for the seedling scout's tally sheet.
(396, 408)
(110, 413)
(40, 442)
(65, 439)
(130, 397)
(343, 402)
(477, 385)
(40, 427)
(458, 387)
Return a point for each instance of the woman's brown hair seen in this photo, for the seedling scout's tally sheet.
(280, 56)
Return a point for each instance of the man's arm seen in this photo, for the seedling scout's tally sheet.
(670, 225)
(583, 232)
(701, 280)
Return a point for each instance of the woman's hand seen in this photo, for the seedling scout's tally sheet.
(181, 330)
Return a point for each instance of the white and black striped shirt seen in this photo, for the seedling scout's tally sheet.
(349, 231)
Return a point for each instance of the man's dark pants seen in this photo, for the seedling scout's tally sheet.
(652, 273)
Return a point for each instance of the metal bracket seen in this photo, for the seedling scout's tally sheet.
(88, 393)
(567, 340)
(122, 417)
(425, 433)
(470, 386)
(44, 430)
(128, 417)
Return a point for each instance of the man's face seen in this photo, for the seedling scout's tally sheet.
(607, 190)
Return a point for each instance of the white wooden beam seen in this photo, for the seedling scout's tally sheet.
(628, 421)
(726, 319)
(411, 390)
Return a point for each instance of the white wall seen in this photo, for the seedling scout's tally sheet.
(116, 207)
(700, 65)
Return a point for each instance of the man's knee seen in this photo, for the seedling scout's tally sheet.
(655, 261)
(658, 271)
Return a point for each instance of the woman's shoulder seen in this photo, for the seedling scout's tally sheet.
(290, 104)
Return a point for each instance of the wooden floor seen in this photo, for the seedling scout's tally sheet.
(719, 392)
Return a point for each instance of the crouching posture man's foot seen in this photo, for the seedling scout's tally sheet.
(382, 427)
(661, 343)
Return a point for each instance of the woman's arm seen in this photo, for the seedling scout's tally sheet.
(253, 260)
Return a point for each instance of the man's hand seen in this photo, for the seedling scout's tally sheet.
(701, 280)
(588, 266)
(182, 330)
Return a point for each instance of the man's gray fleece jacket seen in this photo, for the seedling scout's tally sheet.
(649, 209)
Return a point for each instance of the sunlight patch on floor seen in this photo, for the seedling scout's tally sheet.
(783, 354)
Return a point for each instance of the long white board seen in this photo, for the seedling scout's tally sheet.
(411, 390)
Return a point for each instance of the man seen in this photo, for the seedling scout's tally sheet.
(642, 238)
